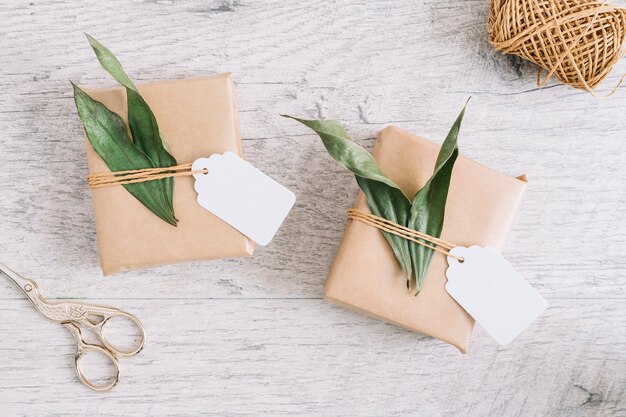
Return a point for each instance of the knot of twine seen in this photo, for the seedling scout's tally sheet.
(577, 41)
(434, 243)
(107, 179)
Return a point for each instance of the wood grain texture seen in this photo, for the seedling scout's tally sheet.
(252, 336)
(302, 357)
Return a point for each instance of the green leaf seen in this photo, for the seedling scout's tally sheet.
(110, 63)
(429, 204)
(391, 204)
(141, 119)
(425, 213)
(384, 197)
(345, 151)
(145, 131)
(107, 133)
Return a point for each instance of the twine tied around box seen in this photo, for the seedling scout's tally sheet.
(426, 240)
(107, 179)
(577, 41)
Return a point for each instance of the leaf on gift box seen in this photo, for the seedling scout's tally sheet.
(425, 213)
(107, 133)
(392, 204)
(110, 63)
(384, 197)
(145, 132)
(141, 119)
(429, 204)
(345, 151)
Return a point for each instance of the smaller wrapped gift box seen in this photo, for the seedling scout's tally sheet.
(365, 274)
(197, 117)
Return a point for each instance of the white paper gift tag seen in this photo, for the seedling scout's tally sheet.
(242, 196)
(492, 292)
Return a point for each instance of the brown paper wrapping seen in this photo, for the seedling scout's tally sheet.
(366, 275)
(197, 117)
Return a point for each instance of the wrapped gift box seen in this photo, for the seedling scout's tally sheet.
(197, 117)
(365, 274)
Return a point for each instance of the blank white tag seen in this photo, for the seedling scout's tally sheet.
(242, 196)
(492, 292)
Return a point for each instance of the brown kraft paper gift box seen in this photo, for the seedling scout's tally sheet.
(197, 117)
(365, 274)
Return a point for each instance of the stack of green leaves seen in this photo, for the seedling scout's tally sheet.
(424, 212)
(108, 135)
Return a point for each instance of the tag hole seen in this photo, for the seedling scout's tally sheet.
(461, 260)
(205, 171)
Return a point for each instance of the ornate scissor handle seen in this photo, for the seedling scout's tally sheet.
(98, 328)
(83, 348)
(74, 316)
(95, 319)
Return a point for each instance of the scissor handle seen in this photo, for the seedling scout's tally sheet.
(83, 348)
(95, 319)
(80, 353)
(99, 329)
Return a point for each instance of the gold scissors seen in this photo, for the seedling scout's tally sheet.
(77, 316)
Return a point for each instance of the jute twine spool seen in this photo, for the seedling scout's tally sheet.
(577, 41)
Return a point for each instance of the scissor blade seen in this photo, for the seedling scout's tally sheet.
(17, 279)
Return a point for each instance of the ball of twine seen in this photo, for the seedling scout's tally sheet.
(577, 41)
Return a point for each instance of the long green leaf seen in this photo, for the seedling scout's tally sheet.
(425, 213)
(391, 204)
(384, 197)
(145, 131)
(108, 136)
(345, 151)
(141, 120)
(110, 63)
(429, 204)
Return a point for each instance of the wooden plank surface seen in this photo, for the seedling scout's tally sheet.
(252, 336)
(305, 357)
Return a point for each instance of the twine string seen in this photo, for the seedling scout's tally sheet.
(107, 179)
(388, 226)
(577, 41)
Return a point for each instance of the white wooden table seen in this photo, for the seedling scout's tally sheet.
(254, 336)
